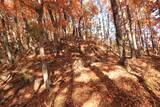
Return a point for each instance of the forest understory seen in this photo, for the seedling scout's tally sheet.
(79, 53)
(89, 78)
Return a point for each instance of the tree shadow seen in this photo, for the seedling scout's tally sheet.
(156, 61)
(11, 93)
(120, 97)
(153, 60)
(63, 84)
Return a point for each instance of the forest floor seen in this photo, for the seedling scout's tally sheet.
(90, 79)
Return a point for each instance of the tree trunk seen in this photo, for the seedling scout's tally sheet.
(141, 36)
(79, 28)
(5, 41)
(147, 47)
(125, 32)
(132, 36)
(41, 49)
(151, 31)
(19, 24)
(135, 52)
(44, 68)
(118, 32)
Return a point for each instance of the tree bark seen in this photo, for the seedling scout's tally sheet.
(5, 41)
(118, 34)
(132, 36)
(41, 48)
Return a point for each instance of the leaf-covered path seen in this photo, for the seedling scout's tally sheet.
(99, 84)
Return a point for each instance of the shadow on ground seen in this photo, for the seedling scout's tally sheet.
(76, 81)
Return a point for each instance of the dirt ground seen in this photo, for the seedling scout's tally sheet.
(101, 84)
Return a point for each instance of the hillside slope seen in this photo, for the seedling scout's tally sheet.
(82, 74)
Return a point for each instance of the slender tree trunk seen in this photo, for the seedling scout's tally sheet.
(104, 30)
(141, 36)
(135, 41)
(108, 28)
(90, 29)
(18, 21)
(41, 49)
(132, 36)
(147, 47)
(5, 41)
(109, 39)
(138, 38)
(79, 28)
(5, 38)
(118, 32)
(125, 33)
(152, 36)
(27, 29)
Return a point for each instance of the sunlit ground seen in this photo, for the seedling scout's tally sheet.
(74, 84)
